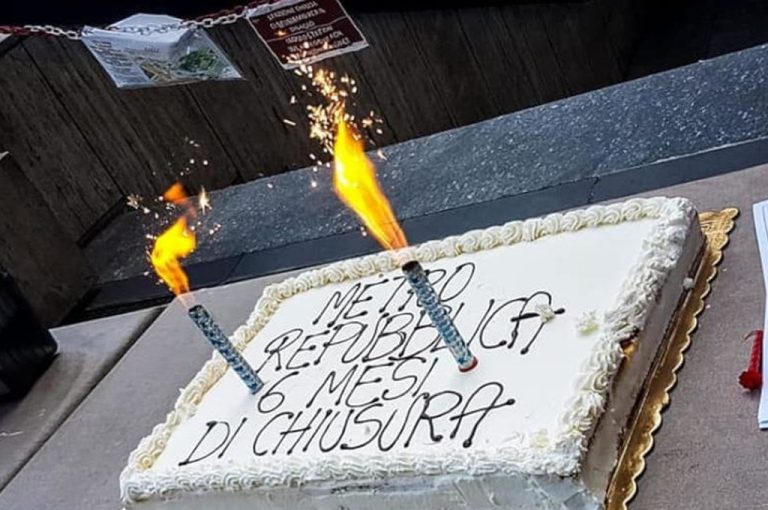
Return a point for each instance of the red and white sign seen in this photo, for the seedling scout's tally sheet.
(305, 31)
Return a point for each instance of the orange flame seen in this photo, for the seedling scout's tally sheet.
(174, 244)
(175, 194)
(170, 247)
(354, 180)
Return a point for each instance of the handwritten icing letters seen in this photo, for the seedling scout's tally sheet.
(381, 352)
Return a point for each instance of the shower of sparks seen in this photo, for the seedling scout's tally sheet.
(203, 201)
(335, 91)
(164, 208)
(331, 100)
(134, 201)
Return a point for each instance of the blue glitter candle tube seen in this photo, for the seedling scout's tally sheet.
(221, 343)
(429, 301)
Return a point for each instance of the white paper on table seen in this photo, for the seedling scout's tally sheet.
(760, 211)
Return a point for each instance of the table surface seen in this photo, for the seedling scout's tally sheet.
(708, 453)
(85, 355)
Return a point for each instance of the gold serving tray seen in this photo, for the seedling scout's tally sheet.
(716, 226)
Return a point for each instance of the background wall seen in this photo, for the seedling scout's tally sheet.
(86, 145)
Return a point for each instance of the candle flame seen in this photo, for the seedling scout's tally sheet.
(355, 182)
(176, 243)
(170, 247)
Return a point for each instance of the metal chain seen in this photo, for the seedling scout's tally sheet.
(52, 30)
(225, 17)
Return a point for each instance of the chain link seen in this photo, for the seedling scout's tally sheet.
(225, 17)
(52, 30)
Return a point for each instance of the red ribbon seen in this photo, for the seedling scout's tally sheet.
(752, 377)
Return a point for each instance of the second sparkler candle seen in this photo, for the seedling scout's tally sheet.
(355, 183)
(430, 302)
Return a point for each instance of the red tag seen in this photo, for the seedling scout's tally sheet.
(305, 31)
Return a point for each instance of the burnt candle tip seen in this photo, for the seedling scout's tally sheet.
(411, 266)
(195, 310)
(471, 366)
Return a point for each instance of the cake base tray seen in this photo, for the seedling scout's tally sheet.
(716, 226)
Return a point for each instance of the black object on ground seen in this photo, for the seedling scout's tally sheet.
(26, 347)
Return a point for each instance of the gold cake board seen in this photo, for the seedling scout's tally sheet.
(716, 226)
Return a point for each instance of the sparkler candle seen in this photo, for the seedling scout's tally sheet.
(170, 247)
(417, 278)
(355, 182)
(203, 320)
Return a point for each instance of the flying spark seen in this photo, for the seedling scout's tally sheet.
(204, 201)
(134, 201)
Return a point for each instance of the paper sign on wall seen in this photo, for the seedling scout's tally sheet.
(306, 31)
(171, 56)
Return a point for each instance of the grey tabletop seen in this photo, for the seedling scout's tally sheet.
(708, 454)
(86, 353)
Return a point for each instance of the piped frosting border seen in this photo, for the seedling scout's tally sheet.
(536, 454)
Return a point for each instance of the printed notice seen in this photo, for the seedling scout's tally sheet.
(305, 31)
(172, 56)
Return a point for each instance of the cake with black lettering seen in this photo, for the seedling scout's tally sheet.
(363, 406)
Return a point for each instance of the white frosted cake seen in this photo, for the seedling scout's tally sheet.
(364, 407)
